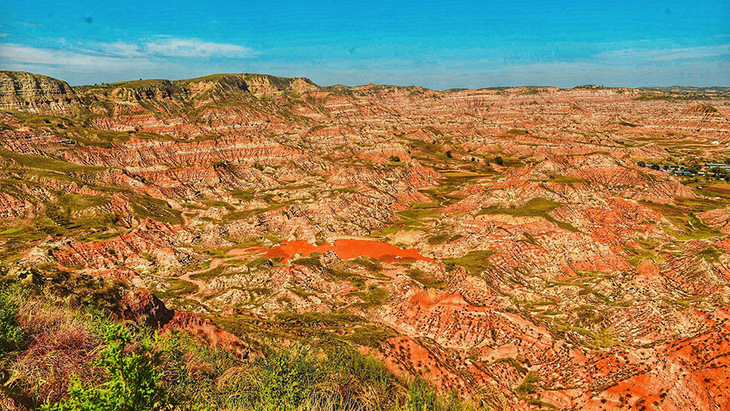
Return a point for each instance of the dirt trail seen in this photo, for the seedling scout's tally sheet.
(215, 263)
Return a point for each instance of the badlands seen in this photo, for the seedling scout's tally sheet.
(525, 248)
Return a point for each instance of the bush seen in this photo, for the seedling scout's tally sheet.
(305, 376)
(132, 378)
(11, 335)
(421, 397)
(498, 160)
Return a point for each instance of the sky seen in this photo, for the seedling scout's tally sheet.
(435, 44)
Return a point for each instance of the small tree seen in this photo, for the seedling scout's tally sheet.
(499, 160)
(132, 378)
(448, 154)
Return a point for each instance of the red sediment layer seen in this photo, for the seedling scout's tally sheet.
(345, 249)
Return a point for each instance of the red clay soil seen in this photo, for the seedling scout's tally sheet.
(345, 249)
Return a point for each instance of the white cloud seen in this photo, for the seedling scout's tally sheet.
(99, 61)
(174, 47)
(634, 55)
(120, 49)
(85, 60)
(111, 55)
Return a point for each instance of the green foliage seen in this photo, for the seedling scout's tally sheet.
(11, 335)
(529, 384)
(374, 296)
(133, 376)
(536, 207)
(427, 279)
(218, 203)
(683, 215)
(243, 195)
(284, 378)
(145, 206)
(566, 179)
(475, 262)
(308, 376)
(514, 362)
(423, 397)
(317, 371)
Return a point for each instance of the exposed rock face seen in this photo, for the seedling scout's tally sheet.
(34, 93)
(550, 265)
(143, 307)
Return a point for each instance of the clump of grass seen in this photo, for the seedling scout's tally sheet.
(132, 376)
(207, 275)
(145, 206)
(374, 296)
(438, 239)
(59, 343)
(427, 279)
(683, 215)
(529, 385)
(218, 203)
(536, 207)
(312, 260)
(566, 179)
(11, 335)
(711, 254)
(373, 265)
(516, 363)
(475, 262)
(243, 195)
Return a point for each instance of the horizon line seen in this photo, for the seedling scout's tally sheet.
(374, 84)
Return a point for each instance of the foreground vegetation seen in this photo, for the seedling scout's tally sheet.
(62, 350)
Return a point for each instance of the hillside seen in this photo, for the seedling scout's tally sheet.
(518, 247)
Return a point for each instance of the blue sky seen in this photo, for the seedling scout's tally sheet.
(433, 44)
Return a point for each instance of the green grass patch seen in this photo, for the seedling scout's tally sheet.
(566, 179)
(373, 297)
(218, 204)
(516, 363)
(243, 195)
(683, 215)
(12, 231)
(145, 206)
(427, 279)
(474, 262)
(209, 274)
(536, 207)
(529, 385)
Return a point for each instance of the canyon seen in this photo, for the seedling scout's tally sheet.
(506, 243)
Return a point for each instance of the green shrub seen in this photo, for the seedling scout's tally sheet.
(133, 377)
(422, 397)
(11, 335)
(529, 385)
